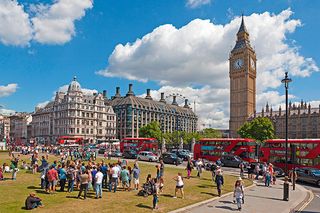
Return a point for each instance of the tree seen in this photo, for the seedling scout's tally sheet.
(210, 133)
(151, 130)
(259, 129)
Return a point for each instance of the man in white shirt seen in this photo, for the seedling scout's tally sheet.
(115, 171)
(98, 183)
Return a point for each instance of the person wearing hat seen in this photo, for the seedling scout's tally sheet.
(33, 202)
(238, 193)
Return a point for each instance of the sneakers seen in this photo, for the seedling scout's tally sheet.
(174, 197)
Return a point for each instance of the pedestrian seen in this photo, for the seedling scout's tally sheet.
(155, 193)
(241, 166)
(71, 175)
(158, 172)
(219, 181)
(98, 183)
(136, 174)
(199, 167)
(257, 170)
(52, 178)
(267, 179)
(238, 193)
(125, 178)
(179, 185)
(161, 168)
(189, 168)
(114, 178)
(62, 177)
(84, 180)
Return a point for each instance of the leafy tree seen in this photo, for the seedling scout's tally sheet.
(210, 133)
(259, 129)
(151, 130)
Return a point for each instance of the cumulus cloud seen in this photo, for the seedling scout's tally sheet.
(15, 27)
(8, 89)
(6, 111)
(197, 3)
(196, 56)
(54, 24)
(44, 23)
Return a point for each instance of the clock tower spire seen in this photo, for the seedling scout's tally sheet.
(242, 73)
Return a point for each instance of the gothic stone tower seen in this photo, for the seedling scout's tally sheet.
(242, 73)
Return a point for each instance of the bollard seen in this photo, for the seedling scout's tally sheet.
(286, 189)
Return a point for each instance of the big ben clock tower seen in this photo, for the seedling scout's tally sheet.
(242, 73)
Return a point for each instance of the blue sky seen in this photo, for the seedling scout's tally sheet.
(41, 61)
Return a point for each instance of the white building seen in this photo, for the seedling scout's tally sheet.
(4, 127)
(19, 125)
(77, 114)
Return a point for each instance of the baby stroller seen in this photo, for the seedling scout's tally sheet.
(146, 190)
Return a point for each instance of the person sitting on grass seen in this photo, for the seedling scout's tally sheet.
(33, 202)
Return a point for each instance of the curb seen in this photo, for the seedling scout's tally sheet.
(303, 204)
(183, 209)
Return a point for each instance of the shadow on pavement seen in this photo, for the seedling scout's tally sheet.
(270, 198)
(225, 201)
(308, 212)
(226, 207)
(140, 205)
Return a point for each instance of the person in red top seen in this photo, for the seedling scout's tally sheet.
(52, 178)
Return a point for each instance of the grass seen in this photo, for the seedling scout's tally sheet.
(14, 193)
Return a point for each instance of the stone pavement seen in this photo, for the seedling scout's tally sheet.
(258, 199)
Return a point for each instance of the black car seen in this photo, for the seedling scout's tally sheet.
(309, 175)
(116, 153)
(171, 158)
(130, 154)
(101, 150)
(232, 161)
(181, 154)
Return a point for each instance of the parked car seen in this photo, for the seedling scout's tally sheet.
(232, 161)
(116, 153)
(131, 154)
(147, 156)
(171, 158)
(278, 171)
(181, 154)
(101, 150)
(309, 175)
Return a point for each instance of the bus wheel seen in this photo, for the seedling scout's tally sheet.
(139, 158)
(150, 160)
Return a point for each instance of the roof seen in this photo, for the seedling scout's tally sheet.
(228, 139)
(293, 141)
(242, 26)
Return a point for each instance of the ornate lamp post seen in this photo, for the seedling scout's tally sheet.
(286, 82)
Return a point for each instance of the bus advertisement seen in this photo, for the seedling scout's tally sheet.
(70, 141)
(139, 144)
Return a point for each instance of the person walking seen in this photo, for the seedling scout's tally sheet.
(241, 166)
(189, 168)
(238, 193)
(71, 175)
(179, 185)
(84, 180)
(98, 183)
(114, 177)
(62, 177)
(52, 178)
(125, 178)
(219, 181)
(155, 193)
(136, 174)
(267, 179)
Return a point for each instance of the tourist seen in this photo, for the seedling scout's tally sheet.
(71, 174)
(241, 166)
(136, 174)
(199, 167)
(124, 175)
(52, 178)
(257, 170)
(62, 177)
(104, 170)
(158, 172)
(130, 176)
(238, 193)
(267, 178)
(179, 185)
(84, 180)
(189, 168)
(1, 174)
(14, 173)
(161, 168)
(114, 178)
(33, 202)
(219, 181)
(161, 185)
(98, 183)
(155, 193)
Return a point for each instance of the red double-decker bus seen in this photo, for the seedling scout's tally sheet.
(307, 152)
(139, 144)
(213, 148)
(69, 140)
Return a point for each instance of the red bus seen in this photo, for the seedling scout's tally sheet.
(139, 144)
(307, 152)
(69, 140)
(213, 148)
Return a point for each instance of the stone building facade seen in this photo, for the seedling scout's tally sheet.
(4, 127)
(242, 73)
(19, 126)
(303, 120)
(77, 114)
(134, 112)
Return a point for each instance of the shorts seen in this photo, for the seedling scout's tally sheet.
(52, 183)
(136, 181)
(125, 183)
(179, 187)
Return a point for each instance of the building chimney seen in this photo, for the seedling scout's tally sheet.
(104, 93)
(148, 95)
(117, 95)
(186, 103)
(162, 98)
(130, 92)
(174, 101)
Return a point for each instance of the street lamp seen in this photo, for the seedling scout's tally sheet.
(286, 82)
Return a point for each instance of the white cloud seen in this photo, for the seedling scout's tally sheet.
(15, 27)
(6, 111)
(197, 3)
(8, 90)
(54, 24)
(43, 23)
(42, 104)
(197, 55)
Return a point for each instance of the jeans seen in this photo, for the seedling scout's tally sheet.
(62, 184)
(98, 189)
(239, 201)
(84, 187)
(219, 189)
(155, 201)
(70, 185)
(267, 181)
(105, 181)
(36, 204)
(43, 183)
(115, 182)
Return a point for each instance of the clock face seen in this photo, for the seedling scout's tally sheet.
(252, 64)
(238, 63)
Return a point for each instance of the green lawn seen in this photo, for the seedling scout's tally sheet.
(13, 193)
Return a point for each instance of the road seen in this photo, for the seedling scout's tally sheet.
(314, 206)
